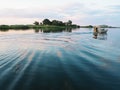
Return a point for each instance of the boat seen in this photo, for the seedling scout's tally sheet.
(98, 29)
(102, 30)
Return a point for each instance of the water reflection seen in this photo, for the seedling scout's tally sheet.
(4, 30)
(36, 30)
(100, 36)
(59, 61)
(43, 30)
(68, 30)
(53, 30)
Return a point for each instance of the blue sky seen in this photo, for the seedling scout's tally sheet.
(82, 12)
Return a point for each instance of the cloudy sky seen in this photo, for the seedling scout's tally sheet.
(82, 12)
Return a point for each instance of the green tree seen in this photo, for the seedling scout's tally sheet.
(4, 27)
(36, 23)
(46, 22)
(69, 22)
(54, 22)
(58, 23)
(90, 26)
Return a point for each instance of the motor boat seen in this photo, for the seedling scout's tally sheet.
(100, 30)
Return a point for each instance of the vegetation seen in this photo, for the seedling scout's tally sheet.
(36, 23)
(69, 22)
(5, 27)
(57, 23)
(46, 25)
(106, 26)
(102, 26)
(19, 27)
(46, 22)
(89, 26)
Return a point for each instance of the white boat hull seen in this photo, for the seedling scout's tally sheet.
(102, 31)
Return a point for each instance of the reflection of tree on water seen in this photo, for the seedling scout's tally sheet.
(100, 36)
(4, 30)
(68, 30)
(36, 30)
(54, 30)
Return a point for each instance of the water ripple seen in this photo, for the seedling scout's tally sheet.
(59, 61)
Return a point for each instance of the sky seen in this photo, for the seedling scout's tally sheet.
(81, 12)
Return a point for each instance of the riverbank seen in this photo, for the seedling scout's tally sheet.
(45, 27)
(5, 27)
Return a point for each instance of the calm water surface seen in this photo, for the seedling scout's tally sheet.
(74, 60)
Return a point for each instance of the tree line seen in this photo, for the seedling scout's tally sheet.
(53, 22)
(46, 23)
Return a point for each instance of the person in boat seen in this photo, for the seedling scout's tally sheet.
(95, 32)
(96, 29)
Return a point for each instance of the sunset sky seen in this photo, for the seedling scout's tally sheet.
(82, 12)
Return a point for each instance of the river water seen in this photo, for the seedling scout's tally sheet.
(67, 60)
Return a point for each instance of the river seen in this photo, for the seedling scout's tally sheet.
(66, 60)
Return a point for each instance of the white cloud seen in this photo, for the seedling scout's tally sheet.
(79, 11)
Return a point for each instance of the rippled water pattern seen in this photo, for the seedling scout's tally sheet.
(59, 61)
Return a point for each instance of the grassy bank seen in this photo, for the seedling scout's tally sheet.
(5, 27)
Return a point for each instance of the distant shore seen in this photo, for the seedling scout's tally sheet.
(2, 27)
(47, 24)
(5, 27)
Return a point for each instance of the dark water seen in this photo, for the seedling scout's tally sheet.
(73, 60)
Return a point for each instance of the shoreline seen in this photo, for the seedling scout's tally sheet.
(6, 27)
(17, 27)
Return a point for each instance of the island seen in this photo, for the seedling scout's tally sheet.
(50, 26)
(45, 24)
